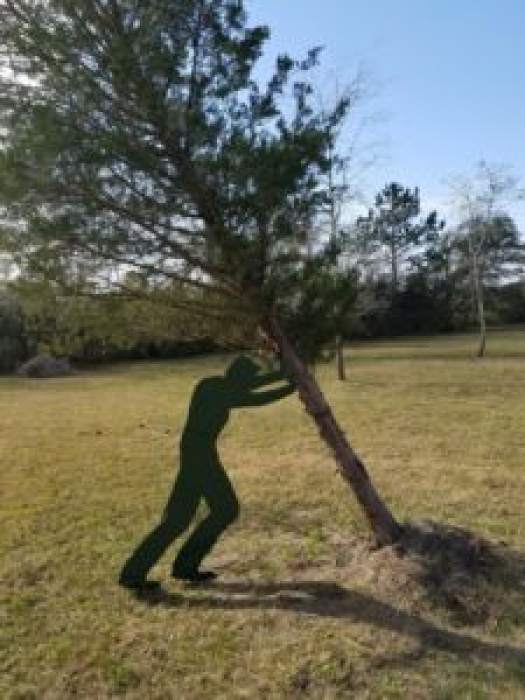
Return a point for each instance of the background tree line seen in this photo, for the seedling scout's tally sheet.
(418, 280)
(390, 273)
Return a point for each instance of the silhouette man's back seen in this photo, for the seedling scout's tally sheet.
(201, 475)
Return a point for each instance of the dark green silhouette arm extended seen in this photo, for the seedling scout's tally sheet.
(262, 398)
(268, 378)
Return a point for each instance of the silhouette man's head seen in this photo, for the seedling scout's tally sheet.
(242, 370)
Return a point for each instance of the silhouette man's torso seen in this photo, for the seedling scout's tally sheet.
(209, 411)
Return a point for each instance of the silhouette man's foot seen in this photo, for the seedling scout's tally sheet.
(194, 576)
(140, 586)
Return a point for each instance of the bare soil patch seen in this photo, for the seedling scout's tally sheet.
(471, 579)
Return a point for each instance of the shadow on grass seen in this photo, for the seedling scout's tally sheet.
(330, 600)
(469, 579)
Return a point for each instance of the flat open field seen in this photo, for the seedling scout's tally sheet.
(303, 607)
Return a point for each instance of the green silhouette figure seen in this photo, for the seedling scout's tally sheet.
(201, 475)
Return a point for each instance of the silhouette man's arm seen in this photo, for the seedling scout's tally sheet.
(262, 398)
(268, 378)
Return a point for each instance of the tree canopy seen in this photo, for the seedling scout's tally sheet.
(136, 133)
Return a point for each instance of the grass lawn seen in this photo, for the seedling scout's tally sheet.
(303, 608)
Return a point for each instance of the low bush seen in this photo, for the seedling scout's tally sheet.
(46, 366)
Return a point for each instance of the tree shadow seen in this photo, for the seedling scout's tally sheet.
(331, 600)
(464, 576)
(470, 578)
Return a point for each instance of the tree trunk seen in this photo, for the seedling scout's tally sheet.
(482, 327)
(340, 359)
(384, 526)
(334, 219)
(480, 306)
(393, 253)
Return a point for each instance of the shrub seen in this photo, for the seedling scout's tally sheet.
(46, 366)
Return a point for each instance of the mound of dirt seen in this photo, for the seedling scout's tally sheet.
(460, 572)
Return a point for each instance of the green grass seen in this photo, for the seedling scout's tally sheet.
(303, 609)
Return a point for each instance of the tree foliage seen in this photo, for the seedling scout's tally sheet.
(393, 228)
(135, 321)
(139, 136)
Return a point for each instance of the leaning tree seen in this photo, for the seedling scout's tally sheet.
(135, 133)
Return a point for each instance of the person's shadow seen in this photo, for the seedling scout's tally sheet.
(332, 600)
(324, 599)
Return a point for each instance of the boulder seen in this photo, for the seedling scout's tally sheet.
(46, 366)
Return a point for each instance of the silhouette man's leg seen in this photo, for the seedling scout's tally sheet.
(179, 511)
(224, 509)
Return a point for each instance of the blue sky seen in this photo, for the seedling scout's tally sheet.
(448, 78)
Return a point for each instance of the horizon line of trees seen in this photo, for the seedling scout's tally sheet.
(403, 275)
